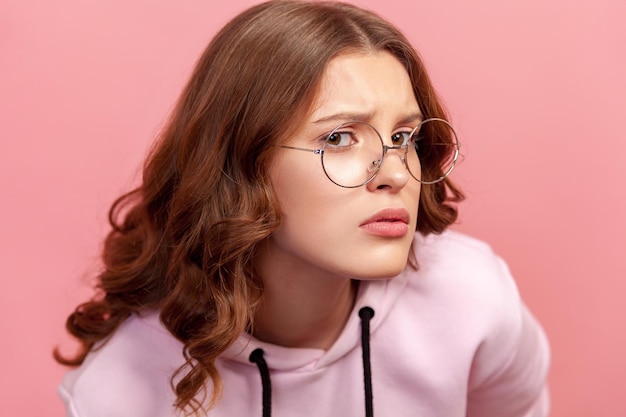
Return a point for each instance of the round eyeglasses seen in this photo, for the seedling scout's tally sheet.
(353, 152)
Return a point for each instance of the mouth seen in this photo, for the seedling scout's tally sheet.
(390, 222)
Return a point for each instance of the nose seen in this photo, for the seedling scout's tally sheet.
(392, 173)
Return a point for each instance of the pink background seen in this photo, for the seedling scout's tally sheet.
(535, 87)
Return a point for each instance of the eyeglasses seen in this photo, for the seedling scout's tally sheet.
(353, 152)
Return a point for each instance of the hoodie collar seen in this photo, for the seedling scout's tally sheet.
(380, 295)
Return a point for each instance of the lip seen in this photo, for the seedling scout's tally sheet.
(389, 222)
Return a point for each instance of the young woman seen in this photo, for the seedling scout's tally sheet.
(287, 251)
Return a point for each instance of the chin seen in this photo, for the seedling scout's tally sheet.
(381, 271)
(382, 263)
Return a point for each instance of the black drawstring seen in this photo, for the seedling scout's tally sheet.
(366, 314)
(257, 357)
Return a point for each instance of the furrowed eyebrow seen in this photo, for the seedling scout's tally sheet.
(413, 118)
(344, 117)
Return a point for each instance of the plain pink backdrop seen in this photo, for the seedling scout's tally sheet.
(535, 87)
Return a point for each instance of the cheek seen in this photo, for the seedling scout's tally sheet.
(414, 193)
(315, 212)
(410, 196)
(304, 193)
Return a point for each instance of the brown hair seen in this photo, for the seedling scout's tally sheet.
(183, 241)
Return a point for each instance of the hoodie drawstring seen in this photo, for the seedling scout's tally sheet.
(366, 314)
(257, 357)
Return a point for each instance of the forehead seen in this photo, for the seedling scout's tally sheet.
(372, 83)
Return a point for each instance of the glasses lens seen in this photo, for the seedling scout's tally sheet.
(351, 153)
(435, 152)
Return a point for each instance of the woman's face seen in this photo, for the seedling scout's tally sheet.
(364, 232)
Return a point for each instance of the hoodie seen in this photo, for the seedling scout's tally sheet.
(451, 339)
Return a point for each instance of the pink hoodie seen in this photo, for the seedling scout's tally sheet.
(452, 339)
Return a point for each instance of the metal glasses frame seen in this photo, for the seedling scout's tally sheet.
(379, 163)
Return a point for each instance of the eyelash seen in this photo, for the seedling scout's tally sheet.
(340, 134)
(324, 138)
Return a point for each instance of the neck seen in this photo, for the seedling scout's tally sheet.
(303, 307)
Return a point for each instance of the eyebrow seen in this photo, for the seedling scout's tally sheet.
(364, 117)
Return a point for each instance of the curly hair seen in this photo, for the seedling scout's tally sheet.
(184, 241)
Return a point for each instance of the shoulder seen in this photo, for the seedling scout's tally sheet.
(128, 375)
(462, 279)
(454, 246)
(465, 281)
(452, 261)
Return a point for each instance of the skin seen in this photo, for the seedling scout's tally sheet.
(311, 266)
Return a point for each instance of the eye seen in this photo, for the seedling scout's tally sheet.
(340, 138)
(402, 138)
